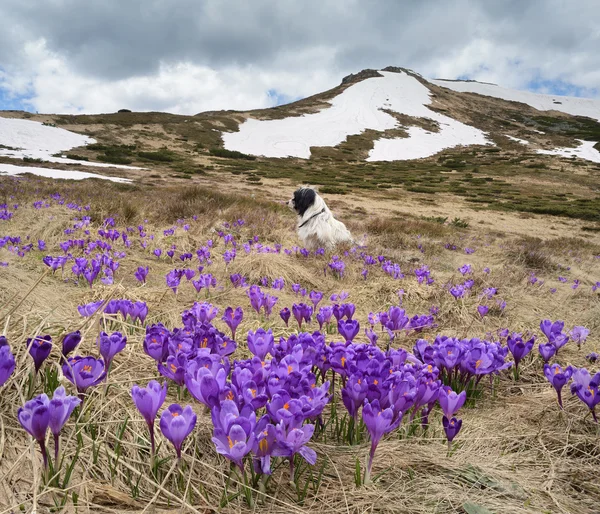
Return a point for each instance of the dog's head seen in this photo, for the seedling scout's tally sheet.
(303, 200)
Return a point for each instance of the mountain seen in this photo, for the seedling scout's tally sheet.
(384, 130)
(411, 118)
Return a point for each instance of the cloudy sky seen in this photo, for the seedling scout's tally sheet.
(188, 56)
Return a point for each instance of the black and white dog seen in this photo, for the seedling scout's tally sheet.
(316, 227)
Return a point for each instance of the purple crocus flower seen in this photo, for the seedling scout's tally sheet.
(324, 315)
(234, 442)
(176, 423)
(451, 428)
(34, 417)
(457, 291)
(315, 297)
(298, 312)
(203, 385)
(519, 349)
(7, 363)
(591, 357)
(233, 318)
(264, 444)
(553, 331)
(348, 329)
(156, 342)
(141, 274)
(174, 368)
(148, 401)
(547, 351)
(90, 308)
(354, 394)
(256, 298)
(138, 310)
(268, 302)
(111, 345)
(292, 442)
(483, 310)
(157, 252)
(378, 422)
(579, 335)
(450, 402)
(465, 269)
(586, 388)
(260, 342)
(173, 279)
(84, 372)
(557, 378)
(39, 349)
(372, 336)
(70, 342)
(61, 408)
(285, 315)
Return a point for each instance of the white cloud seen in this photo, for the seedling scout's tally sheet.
(182, 88)
(186, 56)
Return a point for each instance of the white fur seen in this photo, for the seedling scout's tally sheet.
(321, 230)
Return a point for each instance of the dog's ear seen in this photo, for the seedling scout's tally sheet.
(304, 198)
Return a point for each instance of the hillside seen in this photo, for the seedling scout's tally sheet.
(390, 132)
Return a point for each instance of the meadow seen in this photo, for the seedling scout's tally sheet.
(416, 373)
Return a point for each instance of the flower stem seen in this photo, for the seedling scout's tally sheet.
(56, 448)
(152, 445)
(559, 399)
(292, 469)
(367, 479)
(44, 456)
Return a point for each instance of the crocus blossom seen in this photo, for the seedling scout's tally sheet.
(176, 423)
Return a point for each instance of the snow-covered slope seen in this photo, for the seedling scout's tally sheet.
(32, 139)
(358, 108)
(571, 105)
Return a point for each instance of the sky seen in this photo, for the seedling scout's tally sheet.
(189, 56)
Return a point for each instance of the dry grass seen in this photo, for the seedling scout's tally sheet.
(516, 452)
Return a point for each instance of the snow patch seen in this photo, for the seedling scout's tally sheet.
(585, 151)
(569, 104)
(10, 169)
(32, 139)
(522, 141)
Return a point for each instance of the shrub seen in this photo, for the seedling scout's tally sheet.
(333, 190)
(76, 157)
(160, 156)
(231, 154)
(435, 219)
(114, 158)
(460, 223)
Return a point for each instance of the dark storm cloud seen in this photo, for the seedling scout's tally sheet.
(116, 38)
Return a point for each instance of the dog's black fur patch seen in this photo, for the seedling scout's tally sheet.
(303, 199)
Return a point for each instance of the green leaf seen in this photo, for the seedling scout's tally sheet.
(472, 508)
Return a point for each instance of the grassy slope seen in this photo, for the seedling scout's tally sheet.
(517, 452)
(509, 177)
